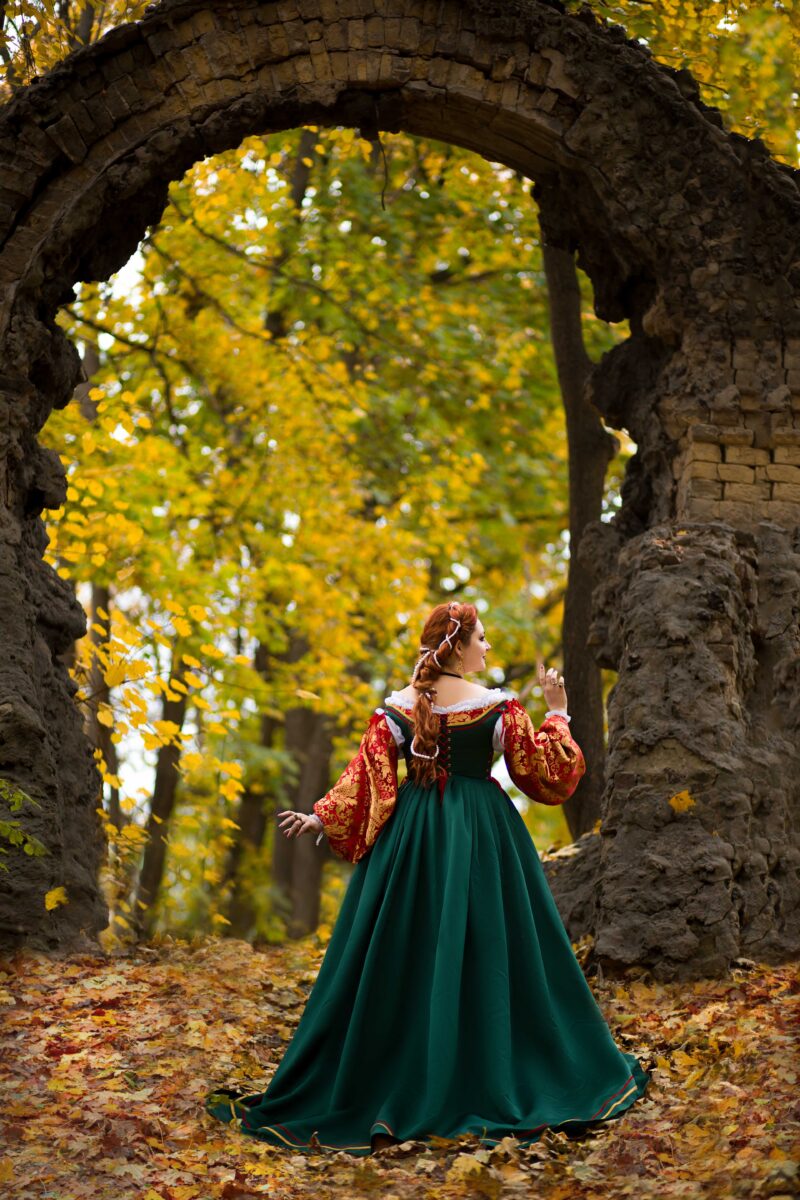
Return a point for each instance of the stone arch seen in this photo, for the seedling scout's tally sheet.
(685, 230)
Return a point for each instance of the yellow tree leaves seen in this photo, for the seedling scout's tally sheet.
(396, 434)
(35, 35)
(742, 53)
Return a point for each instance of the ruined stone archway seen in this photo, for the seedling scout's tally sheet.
(688, 232)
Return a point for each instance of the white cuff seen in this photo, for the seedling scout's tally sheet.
(322, 830)
(561, 712)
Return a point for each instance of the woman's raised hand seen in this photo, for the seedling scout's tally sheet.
(552, 685)
(297, 823)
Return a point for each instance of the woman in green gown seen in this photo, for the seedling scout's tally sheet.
(449, 999)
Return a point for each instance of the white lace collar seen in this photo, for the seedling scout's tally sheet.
(490, 696)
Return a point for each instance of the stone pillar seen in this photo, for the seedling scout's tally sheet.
(43, 749)
(697, 859)
(698, 862)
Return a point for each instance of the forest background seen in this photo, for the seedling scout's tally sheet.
(326, 393)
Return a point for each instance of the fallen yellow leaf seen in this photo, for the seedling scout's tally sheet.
(55, 897)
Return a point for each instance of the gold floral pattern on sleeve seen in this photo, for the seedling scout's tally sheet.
(360, 803)
(546, 764)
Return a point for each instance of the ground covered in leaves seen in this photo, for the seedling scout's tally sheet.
(104, 1063)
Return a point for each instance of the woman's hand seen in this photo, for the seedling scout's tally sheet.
(297, 823)
(552, 685)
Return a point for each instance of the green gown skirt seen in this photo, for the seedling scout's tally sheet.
(449, 999)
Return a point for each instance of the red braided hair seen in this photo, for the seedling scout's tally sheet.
(437, 653)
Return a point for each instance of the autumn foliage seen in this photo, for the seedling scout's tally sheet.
(105, 1062)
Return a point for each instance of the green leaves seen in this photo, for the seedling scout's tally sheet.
(11, 831)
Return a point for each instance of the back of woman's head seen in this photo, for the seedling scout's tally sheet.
(446, 626)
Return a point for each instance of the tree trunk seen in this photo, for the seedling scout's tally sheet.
(310, 735)
(297, 862)
(591, 448)
(99, 735)
(164, 794)
(254, 809)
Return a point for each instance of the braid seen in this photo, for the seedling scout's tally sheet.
(436, 652)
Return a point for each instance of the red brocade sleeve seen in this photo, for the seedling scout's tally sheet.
(546, 764)
(360, 803)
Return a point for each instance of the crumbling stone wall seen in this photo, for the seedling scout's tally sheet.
(697, 858)
(686, 231)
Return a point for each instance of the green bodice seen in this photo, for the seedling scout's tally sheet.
(465, 739)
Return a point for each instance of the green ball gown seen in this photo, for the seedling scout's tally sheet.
(449, 999)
